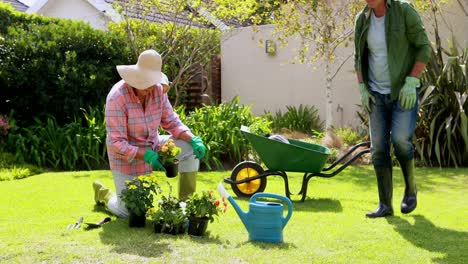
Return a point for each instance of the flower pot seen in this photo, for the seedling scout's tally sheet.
(158, 226)
(135, 220)
(172, 168)
(172, 229)
(197, 226)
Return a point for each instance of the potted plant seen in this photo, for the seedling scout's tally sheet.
(169, 216)
(139, 197)
(201, 208)
(167, 155)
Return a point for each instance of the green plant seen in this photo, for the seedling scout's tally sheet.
(350, 136)
(140, 193)
(168, 152)
(74, 146)
(11, 169)
(219, 127)
(303, 118)
(55, 66)
(205, 205)
(442, 131)
(169, 210)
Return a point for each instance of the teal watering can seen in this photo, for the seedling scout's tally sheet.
(264, 221)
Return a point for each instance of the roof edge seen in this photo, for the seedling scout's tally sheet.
(36, 6)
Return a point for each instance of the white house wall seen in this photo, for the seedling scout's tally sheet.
(76, 10)
(269, 83)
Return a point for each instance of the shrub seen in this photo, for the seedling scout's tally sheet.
(304, 119)
(55, 66)
(442, 130)
(219, 128)
(75, 146)
(11, 169)
(350, 136)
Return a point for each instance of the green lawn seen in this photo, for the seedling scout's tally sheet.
(329, 227)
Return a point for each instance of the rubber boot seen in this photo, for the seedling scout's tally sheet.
(102, 195)
(385, 187)
(409, 202)
(187, 184)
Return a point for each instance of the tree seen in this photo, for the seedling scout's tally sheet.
(322, 26)
(187, 35)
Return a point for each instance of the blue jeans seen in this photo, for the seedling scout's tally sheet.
(389, 121)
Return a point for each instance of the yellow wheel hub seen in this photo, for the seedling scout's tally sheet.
(251, 186)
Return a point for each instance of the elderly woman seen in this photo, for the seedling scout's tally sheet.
(135, 108)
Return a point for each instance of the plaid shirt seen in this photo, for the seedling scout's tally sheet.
(130, 127)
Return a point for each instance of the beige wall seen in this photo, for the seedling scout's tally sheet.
(271, 83)
(76, 10)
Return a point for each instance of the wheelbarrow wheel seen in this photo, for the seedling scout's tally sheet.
(247, 169)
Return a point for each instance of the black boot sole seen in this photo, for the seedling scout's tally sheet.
(377, 215)
(405, 208)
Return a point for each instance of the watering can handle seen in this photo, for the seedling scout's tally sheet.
(275, 196)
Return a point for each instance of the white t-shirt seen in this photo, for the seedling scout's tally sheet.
(379, 76)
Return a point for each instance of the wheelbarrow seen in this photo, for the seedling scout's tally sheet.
(248, 177)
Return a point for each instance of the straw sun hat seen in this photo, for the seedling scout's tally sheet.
(146, 73)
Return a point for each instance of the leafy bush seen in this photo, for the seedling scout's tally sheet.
(304, 119)
(350, 136)
(55, 66)
(77, 145)
(442, 131)
(11, 169)
(219, 127)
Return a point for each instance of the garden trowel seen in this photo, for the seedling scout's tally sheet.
(76, 225)
(98, 224)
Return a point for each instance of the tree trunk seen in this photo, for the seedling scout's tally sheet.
(328, 98)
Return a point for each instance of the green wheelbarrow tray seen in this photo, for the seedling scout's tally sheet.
(297, 156)
(248, 177)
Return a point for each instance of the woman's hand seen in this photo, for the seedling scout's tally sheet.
(199, 148)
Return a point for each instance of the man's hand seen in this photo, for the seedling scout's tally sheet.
(366, 96)
(199, 148)
(408, 92)
(152, 158)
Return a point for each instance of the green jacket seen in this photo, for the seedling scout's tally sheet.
(406, 39)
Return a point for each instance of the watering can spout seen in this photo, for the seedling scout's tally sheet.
(242, 215)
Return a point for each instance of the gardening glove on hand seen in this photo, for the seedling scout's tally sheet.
(408, 92)
(365, 96)
(199, 148)
(152, 158)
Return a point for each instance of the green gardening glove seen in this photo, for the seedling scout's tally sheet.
(152, 158)
(366, 96)
(408, 92)
(199, 148)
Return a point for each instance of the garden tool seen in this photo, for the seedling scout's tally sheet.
(98, 224)
(264, 221)
(76, 225)
(185, 156)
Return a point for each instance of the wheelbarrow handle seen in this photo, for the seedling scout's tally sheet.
(350, 151)
(275, 196)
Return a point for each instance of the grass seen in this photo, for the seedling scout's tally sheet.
(329, 227)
